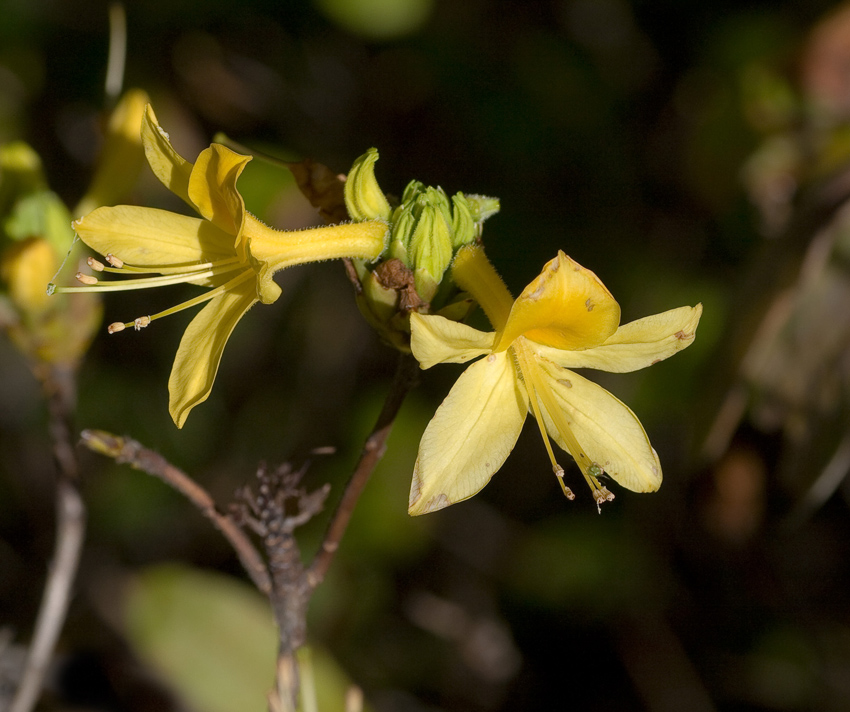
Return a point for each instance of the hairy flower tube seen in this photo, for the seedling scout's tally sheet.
(564, 319)
(226, 250)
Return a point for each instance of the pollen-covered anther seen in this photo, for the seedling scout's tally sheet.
(115, 327)
(603, 494)
(141, 323)
(85, 278)
(116, 262)
(559, 473)
(96, 265)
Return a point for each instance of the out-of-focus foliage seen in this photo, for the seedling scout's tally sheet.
(213, 640)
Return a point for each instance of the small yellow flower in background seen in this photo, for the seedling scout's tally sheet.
(121, 158)
(564, 319)
(227, 250)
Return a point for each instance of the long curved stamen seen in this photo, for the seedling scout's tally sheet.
(535, 407)
(538, 389)
(143, 321)
(126, 268)
(94, 285)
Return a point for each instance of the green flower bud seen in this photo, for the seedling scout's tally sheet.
(430, 250)
(364, 199)
(482, 207)
(427, 228)
(463, 226)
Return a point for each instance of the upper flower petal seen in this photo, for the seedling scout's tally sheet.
(148, 237)
(435, 339)
(168, 165)
(609, 432)
(635, 345)
(566, 307)
(201, 347)
(212, 187)
(471, 435)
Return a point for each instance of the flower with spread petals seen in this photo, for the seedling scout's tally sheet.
(227, 250)
(564, 319)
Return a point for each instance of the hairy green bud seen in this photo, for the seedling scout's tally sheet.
(364, 199)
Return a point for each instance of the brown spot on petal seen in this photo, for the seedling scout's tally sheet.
(537, 293)
(589, 304)
(658, 360)
(682, 336)
(435, 503)
(565, 382)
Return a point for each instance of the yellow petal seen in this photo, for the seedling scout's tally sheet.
(201, 347)
(471, 435)
(635, 345)
(608, 431)
(148, 237)
(434, 339)
(566, 307)
(212, 187)
(168, 165)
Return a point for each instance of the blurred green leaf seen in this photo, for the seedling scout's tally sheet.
(213, 639)
(378, 19)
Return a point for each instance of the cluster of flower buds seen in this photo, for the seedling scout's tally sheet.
(427, 230)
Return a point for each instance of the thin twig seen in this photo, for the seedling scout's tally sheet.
(405, 379)
(70, 533)
(126, 450)
(60, 387)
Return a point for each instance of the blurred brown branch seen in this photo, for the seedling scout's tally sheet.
(279, 506)
(59, 384)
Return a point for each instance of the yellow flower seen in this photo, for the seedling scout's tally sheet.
(227, 250)
(564, 319)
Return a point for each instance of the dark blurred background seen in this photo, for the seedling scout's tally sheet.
(685, 152)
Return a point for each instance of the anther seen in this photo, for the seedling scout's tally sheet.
(141, 323)
(116, 262)
(86, 278)
(115, 327)
(96, 265)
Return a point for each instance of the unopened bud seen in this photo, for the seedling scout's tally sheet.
(116, 262)
(115, 327)
(430, 251)
(463, 226)
(96, 265)
(141, 323)
(364, 199)
(482, 207)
